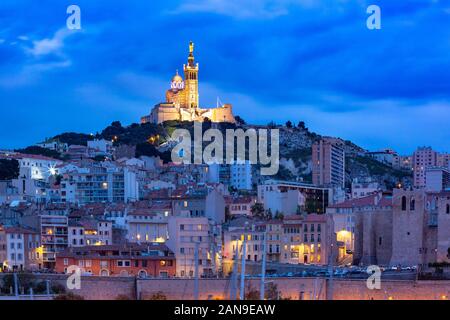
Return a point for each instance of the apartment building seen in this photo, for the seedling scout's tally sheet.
(289, 197)
(386, 156)
(99, 182)
(297, 239)
(308, 239)
(241, 175)
(274, 231)
(54, 144)
(30, 189)
(239, 206)
(328, 163)
(190, 237)
(443, 160)
(88, 232)
(437, 179)
(150, 260)
(423, 158)
(403, 162)
(39, 167)
(362, 188)
(23, 250)
(149, 224)
(101, 147)
(209, 203)
(54, 237)
(8, 192)
(243, 230)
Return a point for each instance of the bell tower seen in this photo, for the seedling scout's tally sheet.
(191, 79)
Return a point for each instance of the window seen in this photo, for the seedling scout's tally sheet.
(403, 203)
(412, 204)
(123, 263)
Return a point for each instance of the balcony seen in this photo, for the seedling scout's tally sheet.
(50, 242)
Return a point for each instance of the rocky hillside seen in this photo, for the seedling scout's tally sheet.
(295, 149)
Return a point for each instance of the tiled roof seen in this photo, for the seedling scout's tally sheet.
(369, 200)
(33, 156)
(19, 230)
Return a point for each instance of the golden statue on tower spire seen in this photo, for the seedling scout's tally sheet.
(191, 54)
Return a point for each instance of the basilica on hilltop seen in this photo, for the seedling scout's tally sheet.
(182, 100)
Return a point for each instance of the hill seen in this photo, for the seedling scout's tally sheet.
(295, 148)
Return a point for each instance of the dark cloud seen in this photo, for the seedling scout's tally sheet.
(319, 55)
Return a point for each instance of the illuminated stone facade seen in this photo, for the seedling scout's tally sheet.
(182, 100)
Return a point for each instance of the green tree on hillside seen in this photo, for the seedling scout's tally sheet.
(9, 169)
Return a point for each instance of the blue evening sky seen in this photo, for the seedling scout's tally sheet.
(310, 60)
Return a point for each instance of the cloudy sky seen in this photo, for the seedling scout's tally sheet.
(310, 60)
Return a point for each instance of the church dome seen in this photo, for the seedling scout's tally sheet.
(177, 78)
(177, 82)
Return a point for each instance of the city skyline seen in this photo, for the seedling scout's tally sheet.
(307, 61)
